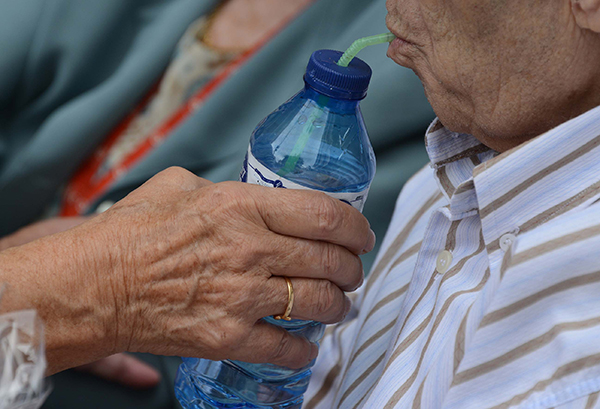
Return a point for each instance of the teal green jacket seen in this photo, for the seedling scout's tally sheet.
(71, 69)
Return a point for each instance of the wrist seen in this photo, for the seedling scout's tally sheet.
(56, 277)
(100, 260)
(111, 258)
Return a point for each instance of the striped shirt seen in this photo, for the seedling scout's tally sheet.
(486, 292)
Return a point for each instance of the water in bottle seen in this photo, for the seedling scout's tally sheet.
(316, 140)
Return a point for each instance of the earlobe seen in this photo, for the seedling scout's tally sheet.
(587, 14)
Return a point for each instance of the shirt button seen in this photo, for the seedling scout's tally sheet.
(506, 241)
(104, 206)
(443, 262)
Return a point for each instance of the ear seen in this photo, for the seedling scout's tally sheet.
(587, 14)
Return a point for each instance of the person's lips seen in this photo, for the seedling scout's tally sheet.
(400, 50)
(399, 44)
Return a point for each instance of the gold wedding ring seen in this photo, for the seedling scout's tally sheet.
(290, 304)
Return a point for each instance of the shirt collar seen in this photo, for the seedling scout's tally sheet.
(519, 189)
(444, 146)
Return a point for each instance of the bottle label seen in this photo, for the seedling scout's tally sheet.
(256, 173)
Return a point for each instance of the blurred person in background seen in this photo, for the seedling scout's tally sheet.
(96, 98)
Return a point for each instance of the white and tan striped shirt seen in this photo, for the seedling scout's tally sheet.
(486, 292)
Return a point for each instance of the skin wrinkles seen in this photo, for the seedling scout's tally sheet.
(188, 278)
(504, 71)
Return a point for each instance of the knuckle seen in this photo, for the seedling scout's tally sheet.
(228, 195)
(177, 176)
(325, 297)
(328, 216)
(331, 260)
(220, 199)
(219, 192)
(176, 172)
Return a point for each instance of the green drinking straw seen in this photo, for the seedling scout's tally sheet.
(307, 131)
(345, 59)
(362, 43)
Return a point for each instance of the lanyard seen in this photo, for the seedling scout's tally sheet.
(86, 187)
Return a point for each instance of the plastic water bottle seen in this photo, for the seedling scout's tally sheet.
(317, 140)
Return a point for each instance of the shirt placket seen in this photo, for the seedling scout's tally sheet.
(439, 299)
(410, 332)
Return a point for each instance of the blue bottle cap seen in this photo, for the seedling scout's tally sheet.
(325, 76)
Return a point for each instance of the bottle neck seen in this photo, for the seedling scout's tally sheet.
(338, 105)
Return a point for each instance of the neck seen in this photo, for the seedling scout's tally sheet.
(240, 24)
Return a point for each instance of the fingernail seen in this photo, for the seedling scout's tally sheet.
(314, 350)
(370, 242)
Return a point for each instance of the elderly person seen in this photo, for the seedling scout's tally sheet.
(85, 85)
(486, 292)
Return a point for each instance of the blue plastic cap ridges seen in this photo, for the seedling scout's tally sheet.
(326, 77)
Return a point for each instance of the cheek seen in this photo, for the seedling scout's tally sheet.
(455, 58)
(443, 59)
(448, 77)
(460, 79)
(461, 41)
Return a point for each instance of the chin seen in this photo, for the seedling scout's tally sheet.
(448, 109)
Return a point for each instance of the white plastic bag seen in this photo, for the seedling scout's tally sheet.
(22, 361)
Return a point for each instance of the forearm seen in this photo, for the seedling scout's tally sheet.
(58, 277)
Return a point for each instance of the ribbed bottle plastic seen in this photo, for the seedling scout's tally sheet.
(317, 140)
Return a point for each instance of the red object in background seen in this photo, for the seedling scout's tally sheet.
(84, 188)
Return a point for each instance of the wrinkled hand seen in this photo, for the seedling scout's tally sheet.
(194, 266)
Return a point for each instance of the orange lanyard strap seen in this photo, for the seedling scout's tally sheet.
(86, 187)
